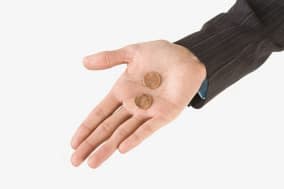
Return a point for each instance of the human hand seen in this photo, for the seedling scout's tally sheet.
(116, 122)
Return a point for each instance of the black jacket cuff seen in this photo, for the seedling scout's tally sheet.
(231, 45)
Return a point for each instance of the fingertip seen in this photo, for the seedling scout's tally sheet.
(92, 163)
(74, 144)
(86, 62)
(75, 160)
(122, 149)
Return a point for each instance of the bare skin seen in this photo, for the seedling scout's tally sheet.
(116, 123)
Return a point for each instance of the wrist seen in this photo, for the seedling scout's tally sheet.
(198, 68)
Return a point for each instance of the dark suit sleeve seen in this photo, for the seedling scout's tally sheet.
(235, 43)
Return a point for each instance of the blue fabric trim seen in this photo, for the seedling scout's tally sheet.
(203, 89)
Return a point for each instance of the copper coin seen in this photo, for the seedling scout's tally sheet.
(144, 101)
(152, 80)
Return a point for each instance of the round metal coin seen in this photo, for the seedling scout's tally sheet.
(152, 80)
(144, 101)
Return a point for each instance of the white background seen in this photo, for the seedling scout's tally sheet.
(236, 141)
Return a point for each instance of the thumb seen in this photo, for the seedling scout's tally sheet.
(107, 59)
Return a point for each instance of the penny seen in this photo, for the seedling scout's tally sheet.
(144, 101)
(152, 80)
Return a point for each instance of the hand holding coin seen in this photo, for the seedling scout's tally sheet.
(140, 102)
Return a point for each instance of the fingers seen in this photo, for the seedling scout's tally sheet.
(109, 147)
(108, 59)
(105, 108)
(101, 133)
(144, 131)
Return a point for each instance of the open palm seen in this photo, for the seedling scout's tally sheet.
(117, 122)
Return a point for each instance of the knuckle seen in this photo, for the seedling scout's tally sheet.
(148, 129)
(136, 138)
(140, 118)
(89, 142)
(105, 128)
(85, 126)
(107, 58)
(99, 112)
(121, 133)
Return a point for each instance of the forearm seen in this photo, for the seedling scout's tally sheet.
(235, 43)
